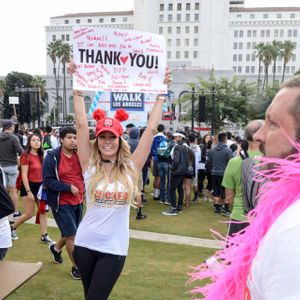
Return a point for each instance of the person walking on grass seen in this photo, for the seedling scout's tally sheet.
(63, 181)
(111, 178)
(31, 171)
(10, 149)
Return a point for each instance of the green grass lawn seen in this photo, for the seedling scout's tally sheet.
(152, 270)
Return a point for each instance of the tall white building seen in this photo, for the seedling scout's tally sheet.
(250, 26)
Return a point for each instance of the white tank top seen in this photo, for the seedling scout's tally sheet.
(105, 226)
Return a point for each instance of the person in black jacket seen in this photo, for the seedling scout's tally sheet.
(179, 169)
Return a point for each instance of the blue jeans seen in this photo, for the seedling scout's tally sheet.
(163, 170)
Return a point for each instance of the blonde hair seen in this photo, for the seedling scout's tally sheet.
(123, 169)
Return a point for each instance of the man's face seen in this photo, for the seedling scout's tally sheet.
(279, 125)
(69, 142)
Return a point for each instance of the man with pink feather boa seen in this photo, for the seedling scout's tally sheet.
(263, 261)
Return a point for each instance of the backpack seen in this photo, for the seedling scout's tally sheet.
(249, 186)
(47, 142)
(190, 158)
(164, 150)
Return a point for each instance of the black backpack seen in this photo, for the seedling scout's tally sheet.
(47, 142)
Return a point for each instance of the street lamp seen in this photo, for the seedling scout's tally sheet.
(193, 102)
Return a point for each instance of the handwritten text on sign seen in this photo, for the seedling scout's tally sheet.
(118, 60)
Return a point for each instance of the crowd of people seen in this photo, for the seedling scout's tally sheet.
(108, 169)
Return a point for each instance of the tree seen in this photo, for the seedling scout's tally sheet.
(260, 55)
(275, 53)
(232, 100)
(267, 59)
(40, 83)
(59, 53)
(287, 53)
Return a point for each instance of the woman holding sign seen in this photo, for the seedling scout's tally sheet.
(111, 177)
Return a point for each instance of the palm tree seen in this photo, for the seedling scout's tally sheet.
(276, 52)
(259, 54)
(267, 59)
(2, 92)
(40, 83)
(65, 55)
(53, 50)
(287, 53)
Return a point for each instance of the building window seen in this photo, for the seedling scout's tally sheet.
(279, 16)
(253, 57)
(178, 29)
(188, 6)
(292, 16)
(265, 16)
(197, 6)
(160, 30)
(113, 20)
(261, 68)
(195, 42)
(62, 37)
(161, 7)
(169, 54)
(241, 33)
(71, 105)
(279, 69)
(187, 29)
(235, 45)
(293, 70)
(54, 38)
(187, 17)
(287, 70)
(236, 33)
(262, 33)
(248, 45)
(295, 32)
(89, 21)
(240, 46)
(66, 21)
(195, 54)
(253, 45)
(294, 57)
(249, 32)
(196, 29)
(67, 37)
(178, 17)
(239, 69)
(276, 33)
(234, 69)
(247, 69)
(161, 18)
(289, 33)
(186, 54)
(268, 33)
(179, 6)
(186, 42)
(281, 33)
(196, 17)
(234, 57)
(248, 57)
(177, 42)
(170, 7)
(252, 16)
(169, 18)
(238, 16)
(177, 54)
(77, 21)
(254, 33)
(169, 42)
(87, 103)
(252, 70)
(169, 29)
(125, 19)
(240, 57)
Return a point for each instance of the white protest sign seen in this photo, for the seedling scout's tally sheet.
(13, 100)
(118, 60)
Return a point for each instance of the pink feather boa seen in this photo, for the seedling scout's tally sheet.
(228, 281)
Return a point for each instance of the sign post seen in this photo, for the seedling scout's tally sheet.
(14, 101)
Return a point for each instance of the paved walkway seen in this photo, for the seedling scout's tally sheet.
(158, 237)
